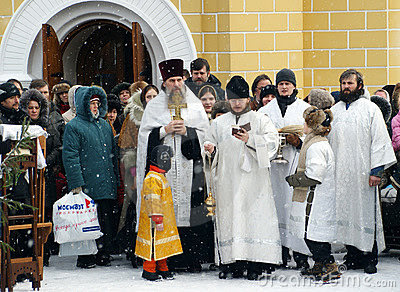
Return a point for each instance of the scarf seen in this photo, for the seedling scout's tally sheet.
(300, 193)
(285, 101)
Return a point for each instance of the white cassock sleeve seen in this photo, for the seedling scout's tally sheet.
(263, 144)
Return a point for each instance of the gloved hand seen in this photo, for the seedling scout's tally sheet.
(77, 190)
(300, 179)
(158, 219)
(293, 139)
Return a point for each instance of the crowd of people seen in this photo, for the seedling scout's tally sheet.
(289, 176)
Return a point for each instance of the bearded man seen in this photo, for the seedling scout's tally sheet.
(177, 118)
(362, 149)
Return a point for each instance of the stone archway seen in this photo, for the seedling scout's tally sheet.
(166, 33)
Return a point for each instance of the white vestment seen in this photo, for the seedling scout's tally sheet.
(360, 142)
(180, 175)
(246, 219)
(282, 191)
(320, 166)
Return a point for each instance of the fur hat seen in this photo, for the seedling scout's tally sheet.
(113, 103)
(61, 87)
(320, 98)
(220, 107)
(318, 120)
(8, 90)
(119, 87)
(34, 94)
(237, 87)
(171, 68)
(383, 105)
(57, 89)
(285, 75)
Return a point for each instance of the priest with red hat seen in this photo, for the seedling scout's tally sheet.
(177, 118)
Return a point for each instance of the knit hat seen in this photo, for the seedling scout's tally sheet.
(320, 98)
(171, 68)
(318, 120)
(285, 75)
(119, 87)
(8, 90)
(269, 89)
(95, 97)
(237, 87)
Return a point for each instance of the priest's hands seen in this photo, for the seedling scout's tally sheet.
(242, 135)
(374, 180)
(209, 148)
(176, 126)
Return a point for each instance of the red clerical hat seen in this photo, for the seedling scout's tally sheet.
(171, 68)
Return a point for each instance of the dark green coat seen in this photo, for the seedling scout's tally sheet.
(89, 150)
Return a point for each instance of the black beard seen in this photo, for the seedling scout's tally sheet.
(350, 97)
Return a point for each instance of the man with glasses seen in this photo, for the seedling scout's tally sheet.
(241, 143)
(91, 166)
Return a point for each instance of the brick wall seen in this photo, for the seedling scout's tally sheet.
(318, 39)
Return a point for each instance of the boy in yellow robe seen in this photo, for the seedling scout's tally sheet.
(157, 237)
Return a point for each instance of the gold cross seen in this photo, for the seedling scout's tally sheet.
(177, 106)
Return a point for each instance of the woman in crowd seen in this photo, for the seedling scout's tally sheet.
(208, 97)
(36, 106)
(114, 109)
(60, 96)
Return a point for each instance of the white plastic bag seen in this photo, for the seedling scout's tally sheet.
(75, 218)
(85, 247)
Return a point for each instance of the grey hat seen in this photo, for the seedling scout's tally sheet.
(320, 98)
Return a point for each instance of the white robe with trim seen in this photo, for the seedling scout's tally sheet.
(320, 165)
(282, 191)
(246, 221)
(360, 142)
(180, 176)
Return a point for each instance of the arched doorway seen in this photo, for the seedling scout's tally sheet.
(165, 32)
(104, 54)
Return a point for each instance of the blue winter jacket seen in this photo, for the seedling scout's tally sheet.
(89, 150)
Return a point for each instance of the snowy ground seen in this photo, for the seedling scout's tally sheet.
(62, 275)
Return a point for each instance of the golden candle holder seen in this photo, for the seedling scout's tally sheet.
(210, 205)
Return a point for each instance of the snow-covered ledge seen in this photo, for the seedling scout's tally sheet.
(165, 30)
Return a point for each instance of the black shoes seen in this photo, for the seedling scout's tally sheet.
(370, 269)
(103, 260)
(86, 261)
(151, 276)
(302, 265)
(166, 275)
